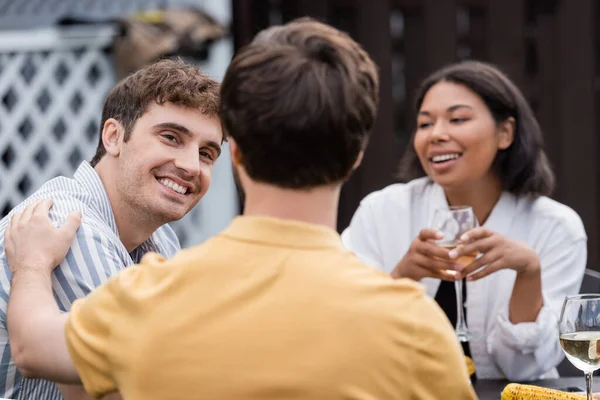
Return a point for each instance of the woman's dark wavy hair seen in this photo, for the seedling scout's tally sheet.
(523, 167)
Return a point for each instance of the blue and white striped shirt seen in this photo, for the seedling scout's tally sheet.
(95, 255)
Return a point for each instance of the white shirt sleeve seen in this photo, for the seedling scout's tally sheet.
(527, 350)
(360, 237)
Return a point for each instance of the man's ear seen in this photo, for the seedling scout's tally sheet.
(236, 153)
(358, 160)
(112, 136)
(506, 132)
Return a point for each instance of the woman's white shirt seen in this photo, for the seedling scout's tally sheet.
(387, 221)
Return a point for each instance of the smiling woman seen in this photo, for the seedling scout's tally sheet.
(457, 137)
(477, 143)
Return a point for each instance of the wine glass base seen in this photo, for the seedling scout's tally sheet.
(467, 335)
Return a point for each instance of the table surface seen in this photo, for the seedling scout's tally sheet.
(491, 389)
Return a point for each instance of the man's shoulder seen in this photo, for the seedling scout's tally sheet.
(343, 271)
(413, 322)
(67, 195)
(401, 302)
(374, 302)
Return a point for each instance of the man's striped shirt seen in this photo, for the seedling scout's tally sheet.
(95, 255)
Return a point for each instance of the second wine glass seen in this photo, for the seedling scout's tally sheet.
(579, 330)
(453, 222)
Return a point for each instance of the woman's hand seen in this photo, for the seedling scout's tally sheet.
(424, 258)
(498, 252)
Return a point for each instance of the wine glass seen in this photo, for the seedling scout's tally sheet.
(579, 330)
(453, 222)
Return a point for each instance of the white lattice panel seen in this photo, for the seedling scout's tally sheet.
(23, 14)
(50, 105)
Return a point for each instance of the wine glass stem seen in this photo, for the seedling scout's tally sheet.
(588, 385)
(461, 323)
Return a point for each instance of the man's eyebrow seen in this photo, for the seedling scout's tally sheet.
(182, 129)
(174, 126)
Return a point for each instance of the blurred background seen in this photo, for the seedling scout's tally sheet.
(59, 58)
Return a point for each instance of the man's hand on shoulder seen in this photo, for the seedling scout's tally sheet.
(36, 327)
(32, 242)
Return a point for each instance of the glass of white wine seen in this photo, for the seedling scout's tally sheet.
(453, 222)
(579, 330)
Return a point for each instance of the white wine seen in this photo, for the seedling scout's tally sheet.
(462, 260)
(582, 349)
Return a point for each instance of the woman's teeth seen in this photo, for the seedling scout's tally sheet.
(445, 157)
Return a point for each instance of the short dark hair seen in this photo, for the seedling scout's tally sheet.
(165, 81)
(523, 167)
(300, 101)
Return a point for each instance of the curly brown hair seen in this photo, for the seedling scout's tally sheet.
(165, 81)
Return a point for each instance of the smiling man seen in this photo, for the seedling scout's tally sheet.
(160, 137)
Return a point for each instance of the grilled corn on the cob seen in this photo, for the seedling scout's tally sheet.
(515, 391)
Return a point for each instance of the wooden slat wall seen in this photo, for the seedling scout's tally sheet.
(548, 109)
(439, 36)
(506, 45)
(380, 155)
(249, 16)
(578, 175)
(548, 47)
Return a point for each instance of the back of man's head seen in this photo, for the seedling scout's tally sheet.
(300, 102)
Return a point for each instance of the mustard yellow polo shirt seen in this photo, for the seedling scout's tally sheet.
(267, 309)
